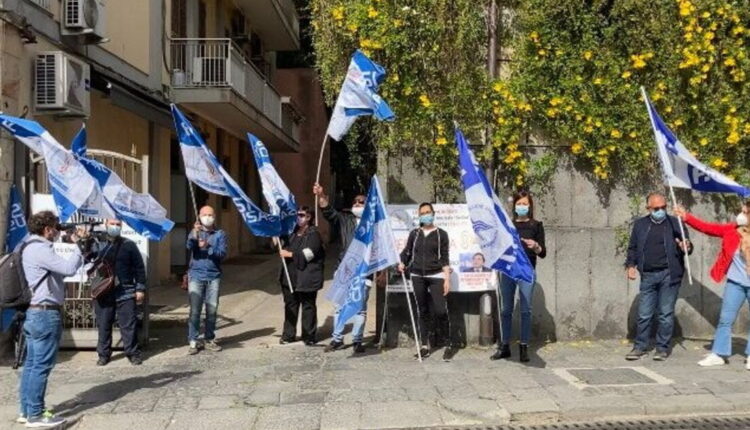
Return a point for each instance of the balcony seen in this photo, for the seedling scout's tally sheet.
(276, 22)
(213, 78)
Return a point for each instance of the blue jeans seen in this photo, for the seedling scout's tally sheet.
(201, 292)
(42, 329)
(658, 295)
(508, 288)
(358, 322)
(734, 297)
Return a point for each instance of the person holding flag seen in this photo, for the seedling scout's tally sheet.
(498, 237)
(303, 254)
(426, 257)
(732, 264)
(531, 232)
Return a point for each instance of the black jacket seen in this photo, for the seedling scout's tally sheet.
(129, 268)
(532, 229)
(345, 222)
(306, 264)
(426, 255)
(675, 255)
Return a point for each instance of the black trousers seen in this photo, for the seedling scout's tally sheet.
(105, 309)
(433, 310)
(292, 304)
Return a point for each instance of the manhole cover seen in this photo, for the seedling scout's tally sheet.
(611, 376)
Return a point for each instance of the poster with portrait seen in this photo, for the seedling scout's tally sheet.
(470, 273)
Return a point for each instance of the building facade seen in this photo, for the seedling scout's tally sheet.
(118, 64)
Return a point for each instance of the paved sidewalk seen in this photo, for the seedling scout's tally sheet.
(256, 383)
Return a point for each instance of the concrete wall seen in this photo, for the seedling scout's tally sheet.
(127, 28)
(582, 291)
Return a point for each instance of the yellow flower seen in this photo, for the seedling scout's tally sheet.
(730, 62)
(352, 27)
(408, 91)
(704, 141)
(441, 140)
(719, 163)
(425, 100)
(706, 68)
(372, 13)
(668, 109)
(733, 138)
(555, 101)
(616, 134)
(633, 135)
(706, 14)
(639, 61)
(598, 81)
(588, 129)
(709, 35)
(534, 36)
(497, 86)
(542, 52)
(598, 123)
(587, 55)
(736, 31)
(552, 112)
(678, 123)
(338, 13)
(626, 74)
(576, 148)
(397, 23)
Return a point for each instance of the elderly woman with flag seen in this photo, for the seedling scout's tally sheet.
(303, 255)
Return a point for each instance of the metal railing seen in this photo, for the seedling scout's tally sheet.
(42, 3)
(218, 62)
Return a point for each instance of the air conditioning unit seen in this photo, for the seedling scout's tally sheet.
(62, 85)
(84, 17)
(210, 71)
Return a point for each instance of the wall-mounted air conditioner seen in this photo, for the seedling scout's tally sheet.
(61, 85)
(84, 17)
(210, 71)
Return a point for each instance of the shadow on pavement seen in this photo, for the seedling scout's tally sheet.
(112, 391)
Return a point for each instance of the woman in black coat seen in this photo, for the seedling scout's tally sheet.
(303, 255)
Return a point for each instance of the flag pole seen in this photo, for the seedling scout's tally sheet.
(671, 191)
(684, 241)
(192, 195)
(385, 313)
(317, 175)
(283, 263)
(411, 315)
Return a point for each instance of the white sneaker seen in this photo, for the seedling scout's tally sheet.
(712, 360)
(21, 419)
(747, 363)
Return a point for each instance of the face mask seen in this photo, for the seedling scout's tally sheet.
(114, 230)
(426, 219)
(658, 214)
(207, 220)
(522, 210)
(741, 219)
(358, 211)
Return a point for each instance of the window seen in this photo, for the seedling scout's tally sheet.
(179, 18)
(42, 3)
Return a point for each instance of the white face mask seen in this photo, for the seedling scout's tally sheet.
(741, 219)
(358, 211)
(207, 220)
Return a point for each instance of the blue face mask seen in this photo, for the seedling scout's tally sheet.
(659, 214)
(426, 219)
(114, 230)
(522, 210)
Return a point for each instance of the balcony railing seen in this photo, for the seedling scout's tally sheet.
(42, 3)
(218, 62)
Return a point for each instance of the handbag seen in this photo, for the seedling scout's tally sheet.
(102, 275)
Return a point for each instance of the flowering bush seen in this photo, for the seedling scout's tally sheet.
(575, 77)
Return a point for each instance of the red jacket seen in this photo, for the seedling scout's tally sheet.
(730, 242)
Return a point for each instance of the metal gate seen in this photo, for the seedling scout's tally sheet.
(79, 323)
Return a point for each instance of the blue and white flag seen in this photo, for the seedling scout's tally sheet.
(17, 229)
(681, 169)
(203, 169)
(70, 183)
(497, 235)
(280, 200)
(373, 248)
(359, 96)
(138, 210)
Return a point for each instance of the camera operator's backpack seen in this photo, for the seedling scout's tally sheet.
(14, 290)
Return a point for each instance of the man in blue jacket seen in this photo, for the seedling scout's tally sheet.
(208, 247)
(129, 291)
(657, 252)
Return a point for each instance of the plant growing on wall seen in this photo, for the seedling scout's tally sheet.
(575, 75)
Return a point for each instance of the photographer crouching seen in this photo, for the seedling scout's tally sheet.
(122, 261)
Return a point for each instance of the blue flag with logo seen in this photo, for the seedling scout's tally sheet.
(497, 235)
(280, 200)
(373, 248)
(140, 211)
(681, 169)
(358, 96)
(203, 169)
(17, 229)
(70, 183)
